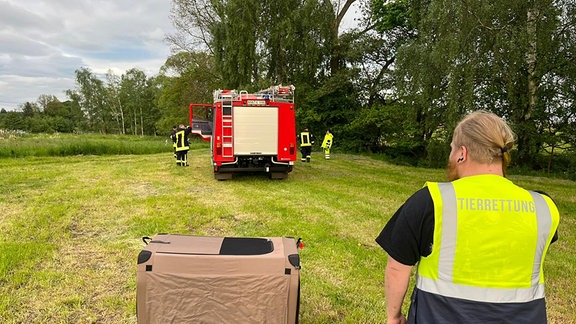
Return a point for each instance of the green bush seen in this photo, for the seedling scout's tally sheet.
(437, 153)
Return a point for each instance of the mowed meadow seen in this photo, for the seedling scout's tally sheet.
(72, 221)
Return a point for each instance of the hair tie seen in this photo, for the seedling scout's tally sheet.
(505, 156)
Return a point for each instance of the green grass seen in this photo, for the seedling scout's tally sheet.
(71, 228)
(16, 145)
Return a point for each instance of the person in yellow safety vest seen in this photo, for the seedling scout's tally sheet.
(182, 145)
(327, 144)
(306, 141)
(173, 138)
(479, 240)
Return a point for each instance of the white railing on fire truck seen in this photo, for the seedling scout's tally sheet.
(279, 93)
(274, 93)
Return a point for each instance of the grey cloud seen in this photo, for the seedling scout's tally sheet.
(23, 20)
(15, 89)
(44, 42)
(52, 66)
(15, 44)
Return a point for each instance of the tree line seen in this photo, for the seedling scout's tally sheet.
(395, 84)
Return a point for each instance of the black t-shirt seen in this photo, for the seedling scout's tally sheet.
(409, 234)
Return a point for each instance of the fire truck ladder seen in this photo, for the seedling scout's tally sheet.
(227, 131)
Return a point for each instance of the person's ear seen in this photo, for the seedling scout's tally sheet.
(463, 154)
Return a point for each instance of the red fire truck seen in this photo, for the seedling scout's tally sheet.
(250, 132)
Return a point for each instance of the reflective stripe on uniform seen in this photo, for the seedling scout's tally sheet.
(305, 139)
(544, 228)
(449, 228)
(481, 294)
(181, 141)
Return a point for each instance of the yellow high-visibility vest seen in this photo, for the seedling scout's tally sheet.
(490, 240)
(327, 143)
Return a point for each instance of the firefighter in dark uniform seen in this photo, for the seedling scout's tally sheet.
(306, 141)
(182, 145)
(173, 138)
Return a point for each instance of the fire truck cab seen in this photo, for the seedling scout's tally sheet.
(251, 132)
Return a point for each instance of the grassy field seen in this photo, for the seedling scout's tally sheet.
(19, 145)
(71, 228)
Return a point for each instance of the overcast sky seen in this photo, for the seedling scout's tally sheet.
(42, 43)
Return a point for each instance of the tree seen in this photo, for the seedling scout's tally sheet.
(90, 96)
(44, 100)
(192, 20)
(380, 121)
(113, 100)
(29, 109)
(337, 48)
(57, 115)
(124, 104)
(13, 121)
(186, 77)
(235, 41)
(256, 42)
(470, 55)
(133, 89)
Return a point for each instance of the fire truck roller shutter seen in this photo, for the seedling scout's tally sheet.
(255, 130)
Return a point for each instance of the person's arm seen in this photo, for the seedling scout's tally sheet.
(396, 285)
(407, 237)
